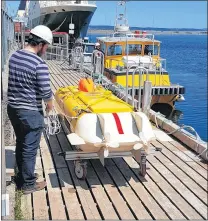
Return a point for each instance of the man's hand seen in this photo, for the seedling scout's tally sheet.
(49, 106)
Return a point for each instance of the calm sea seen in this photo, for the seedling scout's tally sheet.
(187, 65)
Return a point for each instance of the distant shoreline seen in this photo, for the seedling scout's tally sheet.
(104, 32)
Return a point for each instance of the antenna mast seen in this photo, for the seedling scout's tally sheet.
(121, 23)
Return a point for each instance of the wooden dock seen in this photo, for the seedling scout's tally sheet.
(175, 186)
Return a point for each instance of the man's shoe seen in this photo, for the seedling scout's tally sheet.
(36, 176)
(38, 186)
(15, 178)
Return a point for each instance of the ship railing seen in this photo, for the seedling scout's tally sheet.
(77, 58)
(120, 36)
(62, 3)
(56, 52)
(159, 65)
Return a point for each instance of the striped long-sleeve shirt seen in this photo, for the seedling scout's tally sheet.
(29, 81)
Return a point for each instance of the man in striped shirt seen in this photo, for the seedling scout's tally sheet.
(28, 85)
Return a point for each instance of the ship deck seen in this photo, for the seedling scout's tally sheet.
(175, 186)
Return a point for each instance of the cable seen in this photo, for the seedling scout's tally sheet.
(197, 137)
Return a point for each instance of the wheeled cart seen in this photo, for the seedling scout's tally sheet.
(80, 165)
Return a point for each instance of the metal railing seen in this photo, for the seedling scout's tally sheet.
(8, 46)
(141, 70)
(56, 52)
(7, 36)
(97, 66)
(77, 58)
(63, 3)
(158, 67)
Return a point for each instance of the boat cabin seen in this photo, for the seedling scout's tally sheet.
(115, 48)
(133, 49)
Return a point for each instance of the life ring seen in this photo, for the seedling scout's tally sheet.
(137, 34)
(144, 34)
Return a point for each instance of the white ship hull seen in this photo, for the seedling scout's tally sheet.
(57, 15)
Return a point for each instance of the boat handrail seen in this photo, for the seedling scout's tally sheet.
(141, 75)
(132, 35)
(97, 62)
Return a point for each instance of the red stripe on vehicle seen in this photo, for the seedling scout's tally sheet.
(118, 123)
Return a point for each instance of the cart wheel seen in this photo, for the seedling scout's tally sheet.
(80, 170)
(143, 166)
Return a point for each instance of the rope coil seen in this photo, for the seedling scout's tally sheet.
(53, 124)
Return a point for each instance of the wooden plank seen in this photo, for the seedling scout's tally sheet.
(173, 212)
(74, 73)
(57, 207)
(63, 71)
(88, 204)
(55, 147)
(189, 183)
(100, 196)
(87, 201)
(26, 206)
(119, 203)
(141, 190)
(55, 83)
(134, 202)
(180, 188)
(40, 206)
(185, 138)
(46, 155)
(69, 193)
(162, 191)
(188, 157)
(182, 165)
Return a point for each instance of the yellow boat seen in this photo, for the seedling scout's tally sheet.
(124, 49)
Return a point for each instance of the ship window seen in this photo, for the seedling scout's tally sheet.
(114, 50)
(134, 49)
(149, 49)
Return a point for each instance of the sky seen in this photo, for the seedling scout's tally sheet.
(160, 14)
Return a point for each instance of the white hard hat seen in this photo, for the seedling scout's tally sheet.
(97, 44)
(43, 32)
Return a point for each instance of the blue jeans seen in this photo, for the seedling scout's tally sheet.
(28, 126)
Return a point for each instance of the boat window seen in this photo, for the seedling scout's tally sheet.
(89, 48)
(149, 49)
(114, 50)
(134, 49)
(103, 47)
